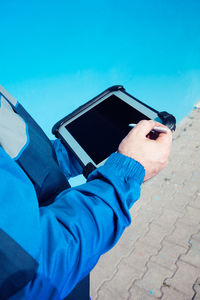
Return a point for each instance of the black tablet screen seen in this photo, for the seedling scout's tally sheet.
(100, 130)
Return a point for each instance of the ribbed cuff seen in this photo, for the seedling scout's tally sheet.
(126, 167)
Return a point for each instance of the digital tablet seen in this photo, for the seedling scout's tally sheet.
(95, 130)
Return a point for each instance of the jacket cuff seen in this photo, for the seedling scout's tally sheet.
(126, 167)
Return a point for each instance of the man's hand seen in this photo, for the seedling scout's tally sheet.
(152, 154)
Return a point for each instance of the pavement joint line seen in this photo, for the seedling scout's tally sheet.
(166, 236)
(101, 285)
(193, 236)
(178, 259)
(193, 206)
(176, 263)
(146, 266)
(137, 240)
(113, 275)
(188, 263)
(134, 281)
(190, 246)
(115, 272)
(164, 239)
(174, 224)
(124, 257)
(193, 287)
(107, 280)
(175, 227)
(177, 210)
(148, 230)
(175, 289)
(185, 214)
(174, 243)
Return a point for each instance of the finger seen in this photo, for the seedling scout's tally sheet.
(165, 138)
(144, 127)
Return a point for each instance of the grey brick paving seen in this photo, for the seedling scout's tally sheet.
(158, 257)
(140, 256)
(193, 255)
(137, 293)
(196, 236)
(155, 235)
(182, 233)
(171, 294)
(184, 278)
(117, 287)
(153, 279)
(168, 255)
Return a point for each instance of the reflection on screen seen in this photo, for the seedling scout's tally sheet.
(100, 130)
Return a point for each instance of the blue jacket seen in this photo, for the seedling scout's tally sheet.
(66, 238)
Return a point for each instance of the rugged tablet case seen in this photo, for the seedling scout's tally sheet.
(167, 119)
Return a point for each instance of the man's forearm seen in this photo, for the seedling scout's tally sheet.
(88, 220)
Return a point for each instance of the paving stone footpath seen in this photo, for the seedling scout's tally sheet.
(158, 257)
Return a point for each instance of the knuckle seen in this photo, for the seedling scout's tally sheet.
(144, 122)
(164, 160)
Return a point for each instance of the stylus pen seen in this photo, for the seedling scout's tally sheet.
(156, 128)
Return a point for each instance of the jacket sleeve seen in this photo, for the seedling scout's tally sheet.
(83, 223)
(86, 221)
(67, 160)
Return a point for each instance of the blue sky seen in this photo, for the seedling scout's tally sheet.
(56, 55)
